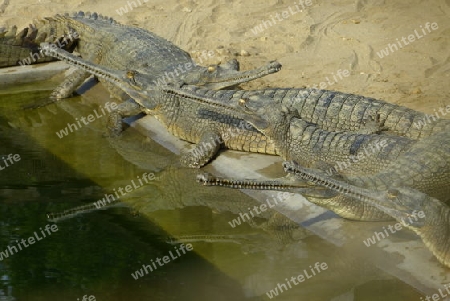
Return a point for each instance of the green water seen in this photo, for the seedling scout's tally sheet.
(95, 253)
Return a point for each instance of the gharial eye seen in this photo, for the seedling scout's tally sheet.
(393, 193)
(243, 102)
(211, 68)
(131, 74)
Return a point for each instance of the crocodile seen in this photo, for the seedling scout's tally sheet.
(402, 161)
(339, 111)
(312, 146)
(181, 192)
(427, 216)
(274, 238)
(422, 164)
(102, 40)
(421, 168)
(177, 109)
(180, 120)
(332, 110)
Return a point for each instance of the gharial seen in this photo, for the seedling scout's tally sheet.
(418, 175)
(376, 181)
(425, 215)
(402, 147)
(399, 160)
(176, 108)
(181, 115)
(102, 40)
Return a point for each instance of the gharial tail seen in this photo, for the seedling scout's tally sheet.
(22, 48)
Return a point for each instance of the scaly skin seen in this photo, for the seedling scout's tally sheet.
(105, 42)
(16, 46)
(425, 215)
(310, 145)
(343, 206)
(419, 164)
(338, 111)
(117, 47)
(424, 167)
(294, 138)
(178, 110)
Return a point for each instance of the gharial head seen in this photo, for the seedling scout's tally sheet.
(402, 203)
(259, 110)
(225, 75)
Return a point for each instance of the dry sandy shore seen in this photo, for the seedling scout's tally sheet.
(315, 40)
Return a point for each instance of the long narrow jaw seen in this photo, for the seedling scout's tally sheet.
(400, 203)
(220, 77)
(97, 70)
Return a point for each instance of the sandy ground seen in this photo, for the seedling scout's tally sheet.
(315, 40)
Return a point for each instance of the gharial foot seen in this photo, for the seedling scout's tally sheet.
(69, 85)
(204, 151)
(125, 109)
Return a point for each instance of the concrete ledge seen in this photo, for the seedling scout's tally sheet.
(409, 261)
(31, 73)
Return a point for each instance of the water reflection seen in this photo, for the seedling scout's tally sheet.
(95, 250)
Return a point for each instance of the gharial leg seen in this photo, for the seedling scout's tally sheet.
(125, 109)
(73, 80)
(204, 151)
(70, 84)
